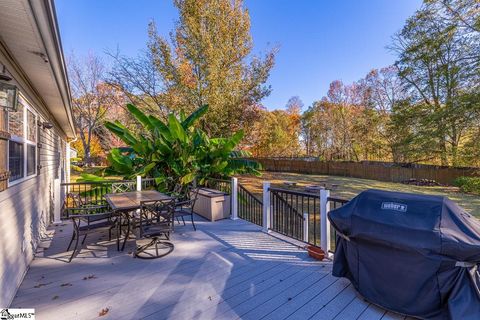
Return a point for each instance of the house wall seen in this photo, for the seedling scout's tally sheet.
(27, 208)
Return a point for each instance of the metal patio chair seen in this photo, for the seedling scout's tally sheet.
(120, 187)
(155, 224)
(177, 191)
(88, 220)
(184, 205)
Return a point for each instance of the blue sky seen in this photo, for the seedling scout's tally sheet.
(319, 40)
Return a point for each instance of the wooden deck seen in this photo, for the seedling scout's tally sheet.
(224, 270)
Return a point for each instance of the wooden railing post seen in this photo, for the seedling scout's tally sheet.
(266, 206)
(324, 223)
(234, 199)
(305, 226)
(139, 183)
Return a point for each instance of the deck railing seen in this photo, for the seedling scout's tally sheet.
(148, 183)
(86, 193)
(92, 193)
(219, 184)
(292, 213)
(249, 207)
(334, 204)
(300, 215)
(289, 211)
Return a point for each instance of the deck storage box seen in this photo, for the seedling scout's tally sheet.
(212, 204)
(418, 255)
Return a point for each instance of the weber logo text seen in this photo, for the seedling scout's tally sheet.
(394, 206)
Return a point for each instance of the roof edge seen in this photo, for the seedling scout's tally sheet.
(44, 11)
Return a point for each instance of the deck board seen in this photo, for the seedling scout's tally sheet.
(224, 270)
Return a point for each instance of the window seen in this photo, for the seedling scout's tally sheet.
(15, 158)
(31, 159)
(15, 122)
(22, 148)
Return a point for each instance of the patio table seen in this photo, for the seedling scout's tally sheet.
(126, 204)
(129, 201)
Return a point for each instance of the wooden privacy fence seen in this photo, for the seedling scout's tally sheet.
(381, 171)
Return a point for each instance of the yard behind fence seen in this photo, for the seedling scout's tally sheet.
(382, 171)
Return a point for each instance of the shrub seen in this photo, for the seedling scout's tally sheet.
(468, 184)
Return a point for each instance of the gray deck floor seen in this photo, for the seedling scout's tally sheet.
(224, 270)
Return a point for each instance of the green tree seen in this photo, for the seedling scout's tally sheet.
(464, 13)
(439, 62)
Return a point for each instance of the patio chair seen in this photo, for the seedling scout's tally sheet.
(155, 225)
(120, 187)
(88, 220)
(184, 205)
(177, 191)
(74, 200)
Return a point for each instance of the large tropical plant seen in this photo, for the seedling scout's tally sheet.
(175, 151)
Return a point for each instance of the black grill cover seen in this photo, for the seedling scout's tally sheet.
(413, 254)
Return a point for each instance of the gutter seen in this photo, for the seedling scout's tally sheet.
(54, 51)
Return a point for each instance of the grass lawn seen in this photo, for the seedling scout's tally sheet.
(74, 175)
(349, 187)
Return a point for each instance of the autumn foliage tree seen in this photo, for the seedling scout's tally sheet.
(277, 132)
(423, 109)
(92, 99)
(207, 61)
(96, 149)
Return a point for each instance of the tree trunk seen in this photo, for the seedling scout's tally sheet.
(443, 153)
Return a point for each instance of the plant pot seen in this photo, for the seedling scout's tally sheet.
(316, 252)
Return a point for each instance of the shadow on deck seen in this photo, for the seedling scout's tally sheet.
(224, 270)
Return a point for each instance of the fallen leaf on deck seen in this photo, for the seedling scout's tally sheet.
(103, 312)
(66, 285)
(41, 285)
(92, 276)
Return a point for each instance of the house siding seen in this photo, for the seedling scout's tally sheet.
(27, 208)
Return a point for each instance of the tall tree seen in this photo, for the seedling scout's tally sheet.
(207, 60)
(464, 13)
(348, 124)
(91, 98)
(277, 134)
(438, 62)
(384, 90)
